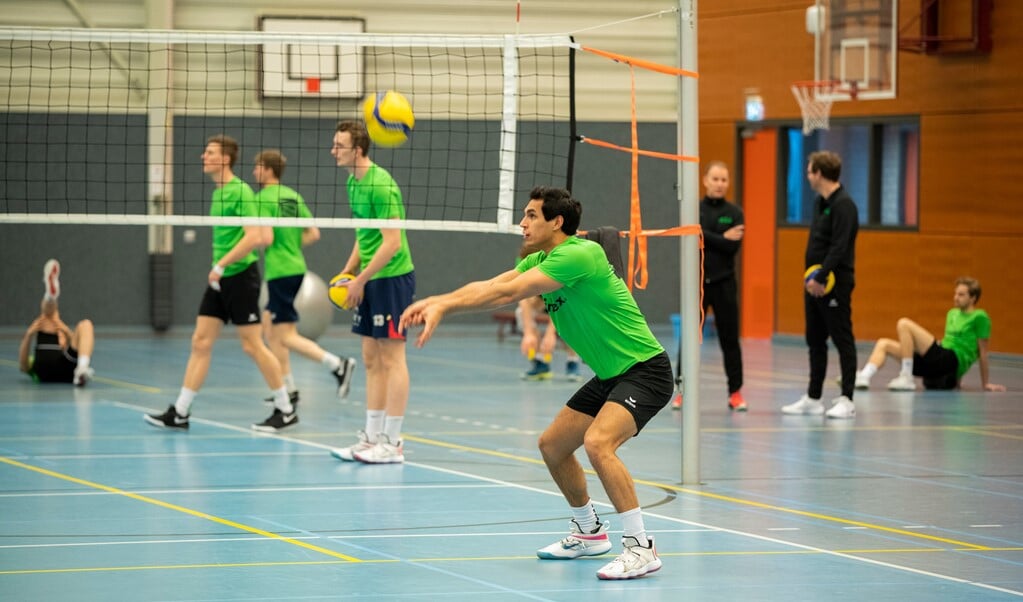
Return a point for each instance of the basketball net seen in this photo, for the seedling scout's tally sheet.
(815, 98)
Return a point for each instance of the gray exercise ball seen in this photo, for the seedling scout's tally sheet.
(314, 309)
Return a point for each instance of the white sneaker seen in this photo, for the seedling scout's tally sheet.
(348, 453)
(383, 452)
(51, 279)
(862, 382)
(635, 561)
(843, 408)
(805, 405)
(902, 382)
(578, 544)
(83, 375)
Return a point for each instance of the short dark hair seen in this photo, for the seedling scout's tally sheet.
(228, 146)
(827, 163)
(274, 160)
(558, 201)
(972, 285)
(357, 129)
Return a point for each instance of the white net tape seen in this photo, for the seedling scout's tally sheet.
(815, 99)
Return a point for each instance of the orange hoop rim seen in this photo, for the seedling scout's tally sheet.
(829, 86)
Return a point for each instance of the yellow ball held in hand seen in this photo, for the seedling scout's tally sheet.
(338, 295)
(811, 272)
(389, 118)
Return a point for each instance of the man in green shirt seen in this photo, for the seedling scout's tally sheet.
(384, 285)
(596, 315)
(232, 293)
(285, 270)
(941, 363)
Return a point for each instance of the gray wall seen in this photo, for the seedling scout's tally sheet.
(106, 268)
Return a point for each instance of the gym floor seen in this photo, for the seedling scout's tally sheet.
(920, 497)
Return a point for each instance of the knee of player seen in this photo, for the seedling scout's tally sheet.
(202, 343)
(598, 445)
(904, 324)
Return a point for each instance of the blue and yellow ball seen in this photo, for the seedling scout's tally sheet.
(811, 272)
(389, 118)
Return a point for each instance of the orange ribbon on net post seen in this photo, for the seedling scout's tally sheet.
(637, 271)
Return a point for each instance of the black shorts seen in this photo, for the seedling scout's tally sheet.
(53, 363)
(282, 292)
(383, 302)
(643, 390)
(938, 367)
(238, 298)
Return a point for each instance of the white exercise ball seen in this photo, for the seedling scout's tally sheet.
(314, 309)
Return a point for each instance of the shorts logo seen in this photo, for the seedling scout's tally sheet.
(253, 318)
(630, 402)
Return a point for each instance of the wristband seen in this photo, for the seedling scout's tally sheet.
(219, 269)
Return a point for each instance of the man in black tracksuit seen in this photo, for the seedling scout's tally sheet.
(832, 244)
(723, 227)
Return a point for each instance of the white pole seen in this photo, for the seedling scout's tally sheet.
(688, 191)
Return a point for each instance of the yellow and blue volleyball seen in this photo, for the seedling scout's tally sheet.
(389, 118)
(811, 272)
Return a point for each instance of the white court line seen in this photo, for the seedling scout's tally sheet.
(673, 519)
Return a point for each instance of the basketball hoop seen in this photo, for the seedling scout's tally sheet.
(815, 98)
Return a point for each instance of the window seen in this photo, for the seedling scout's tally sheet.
(880, 169)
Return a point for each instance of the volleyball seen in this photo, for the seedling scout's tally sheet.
(389, 118)
(812, 272)
(338, 295)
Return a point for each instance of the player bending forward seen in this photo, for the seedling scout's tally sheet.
(596, 315)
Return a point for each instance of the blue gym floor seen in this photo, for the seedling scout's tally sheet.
(920, 497)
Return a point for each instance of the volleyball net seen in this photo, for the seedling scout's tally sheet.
(108, 126)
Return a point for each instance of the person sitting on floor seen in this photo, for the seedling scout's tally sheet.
(941, 363)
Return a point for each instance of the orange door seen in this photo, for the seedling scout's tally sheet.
(759, 186)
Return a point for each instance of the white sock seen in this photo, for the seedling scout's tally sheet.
(330, 360)
(632, 525)
(585, 516)
(907, 367)
(374, 424)
(281, 400)
(868, 371)
(183, 405)
(83, 361)
(392, 428)
(289, 383)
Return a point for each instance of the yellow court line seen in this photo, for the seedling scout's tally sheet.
(987, 433)
(176, 508)
(717, 496)
(531, 558)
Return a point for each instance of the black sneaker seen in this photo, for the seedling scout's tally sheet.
(168, 420)
(344, 374)
(293, 396)
(277, 421)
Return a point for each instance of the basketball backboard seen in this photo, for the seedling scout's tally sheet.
(856, 44)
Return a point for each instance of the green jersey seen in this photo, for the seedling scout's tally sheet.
(284, 257)
(962, 331)
(377, 196)
(233, 199)
(593, 311)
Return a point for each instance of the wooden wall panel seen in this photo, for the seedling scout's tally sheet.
(789, 285)
(969, 169)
